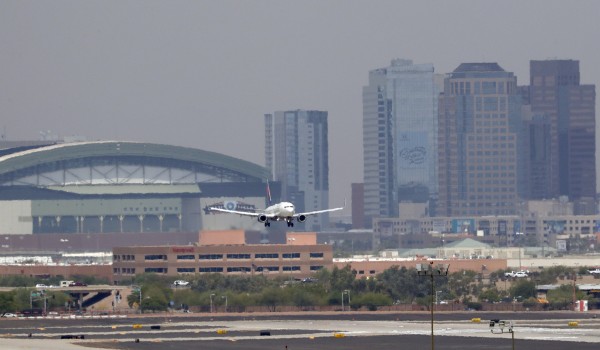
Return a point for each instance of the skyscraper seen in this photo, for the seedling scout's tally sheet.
(297, 153)
(556, 93)
(399, 136)
(479, 124)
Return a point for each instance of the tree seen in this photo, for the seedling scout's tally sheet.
(562, 297)
(459, 283)
(401, 284)
(272, 297)
(133, 298)
(551, 274)
(523, 289)
(371, 300)
(490, 295)
(7, 302)
(342, 279)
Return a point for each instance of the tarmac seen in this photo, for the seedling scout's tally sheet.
(351, 331)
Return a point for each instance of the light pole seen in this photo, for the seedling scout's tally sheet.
(211, 302)
(429, 270)
(225, 297)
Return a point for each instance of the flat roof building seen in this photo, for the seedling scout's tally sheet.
(225, 252)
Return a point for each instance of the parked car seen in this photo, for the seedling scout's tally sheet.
(9, 315)
(514, 274)
(594, 271)
(180, 283)
(41, 285)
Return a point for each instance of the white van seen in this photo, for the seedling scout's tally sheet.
(65, 283)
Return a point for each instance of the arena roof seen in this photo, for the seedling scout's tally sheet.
(29, 164)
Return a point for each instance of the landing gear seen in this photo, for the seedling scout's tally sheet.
(290, 224)
(267, 224)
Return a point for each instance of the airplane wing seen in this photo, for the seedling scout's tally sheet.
(245, 213)
(320, 211)
(317, 212)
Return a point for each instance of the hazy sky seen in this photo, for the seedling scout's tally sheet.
(202, 74)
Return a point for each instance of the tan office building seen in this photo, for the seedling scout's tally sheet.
(225, 252)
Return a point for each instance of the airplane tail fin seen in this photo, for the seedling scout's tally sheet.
(268, 192)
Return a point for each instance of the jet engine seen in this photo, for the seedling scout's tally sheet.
(301, 218)
(262, 218)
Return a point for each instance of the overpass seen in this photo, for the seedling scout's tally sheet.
(85, 296)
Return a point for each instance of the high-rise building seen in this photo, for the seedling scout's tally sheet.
(479, 124)
(399, 136)
(556, 93)
(297, 154)
(358, 205)
(536, 150)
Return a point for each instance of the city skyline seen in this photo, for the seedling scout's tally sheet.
(202, 75)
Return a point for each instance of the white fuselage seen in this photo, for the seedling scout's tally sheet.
(281, 211)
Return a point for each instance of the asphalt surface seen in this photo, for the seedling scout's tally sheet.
(351, 331)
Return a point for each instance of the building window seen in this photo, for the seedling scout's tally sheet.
(316, 255)
(316, 268)
(267, 268)
(155, 257)
(291, 255)
(210, 257)
(238, 269)
(238, 256)
(155, 270)
(266, 256)
(291, 268)
(186, 269)
(211, 269)
(186, 257)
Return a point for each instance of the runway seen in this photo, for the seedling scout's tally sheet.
(353, 331)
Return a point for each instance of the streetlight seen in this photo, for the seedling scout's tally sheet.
(211, 302)
(346, 291)
(429, 270)
(225, 296)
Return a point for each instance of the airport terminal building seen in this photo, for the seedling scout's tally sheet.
(124, 187)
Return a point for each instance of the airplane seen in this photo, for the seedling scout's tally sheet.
(283, 211)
